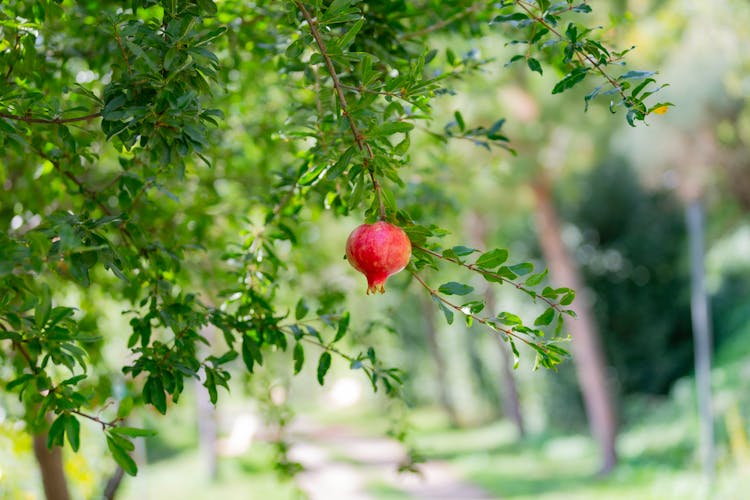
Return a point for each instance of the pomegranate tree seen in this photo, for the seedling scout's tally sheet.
(378, 250)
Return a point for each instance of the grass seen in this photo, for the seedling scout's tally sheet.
(658, 453)
(658, 450)
(184, 477)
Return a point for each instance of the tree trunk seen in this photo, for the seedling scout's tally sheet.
(511, 401)
(446, 401)
(113, 484)
(51, 468)
(207, 432)
(587, 351)
(481, 375)
(702, 335)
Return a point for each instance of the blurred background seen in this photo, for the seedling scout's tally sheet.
(480, 429)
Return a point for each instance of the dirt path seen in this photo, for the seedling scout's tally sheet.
(342, 465)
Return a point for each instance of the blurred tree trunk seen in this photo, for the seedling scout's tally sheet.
(113, 484)
(587, 351)
(511, 401)
(479, 371)
(446, 401)
(207, 432)
(51, 468)
(702, 333)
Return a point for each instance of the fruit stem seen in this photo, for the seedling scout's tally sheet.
(378, 193)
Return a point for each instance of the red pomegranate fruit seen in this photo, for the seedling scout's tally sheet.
(378, 251)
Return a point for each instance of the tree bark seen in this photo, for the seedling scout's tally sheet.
(587, 351)
(446, 401)
(51, 468)
(702, 334)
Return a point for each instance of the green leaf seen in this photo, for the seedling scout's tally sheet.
(571, 79)
(492, 259)
(516, 16)
(156, 394)
(56, 432)
(207, 6)
(301, 310)
(445, 309)
(299, 357)
(210, 385)
(348, 38)
(516, 355)
(568, 298)
(295, 49)
(132, 431)
(324, 363)
(462, 251)
(509, 319)
(311, 175)
(23, 379)
(251, 352)
(343, 326)
(571, 33)
(390, 128)
(535, 279)
(545, 318)
(454, 288)
(43, 308)
(73, 431)
(460, 120)
(522, 268)
(126, 405)
(402, 147)
(340, 166)
(121, 457)
(636, 75)
(73, 380)
(534, 65)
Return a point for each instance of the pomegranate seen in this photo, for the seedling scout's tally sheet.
(378, 251)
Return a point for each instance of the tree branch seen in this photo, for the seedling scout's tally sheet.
(359, 139)
(90, 194)
(122, 49)
(103, 423)
(579, 54)
(472, 267)
(51, 121)
(486, 322)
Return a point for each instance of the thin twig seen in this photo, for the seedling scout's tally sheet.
(90, 194)
(579, 54)
(53, 121)
(472, 267)
(486, 322)
(20, 348)
(445, 22)
(122, 49)
(103, 423)
(13, 62)
(359, 139)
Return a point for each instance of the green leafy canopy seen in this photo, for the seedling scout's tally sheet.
(160, 158)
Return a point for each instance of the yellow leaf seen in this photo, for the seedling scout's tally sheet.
(660, 110)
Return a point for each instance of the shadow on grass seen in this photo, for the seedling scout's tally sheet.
(532, 475)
